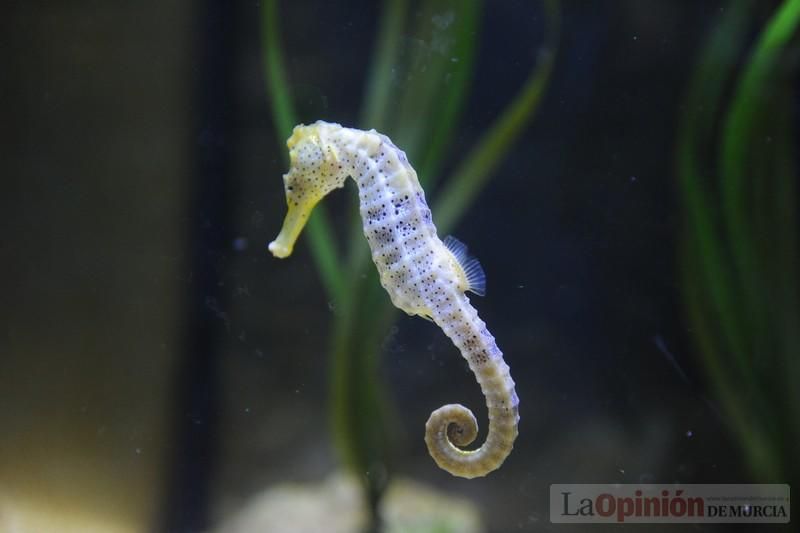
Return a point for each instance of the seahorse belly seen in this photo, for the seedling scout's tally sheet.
(422, 276)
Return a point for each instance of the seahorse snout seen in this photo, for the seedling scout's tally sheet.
(296, 218)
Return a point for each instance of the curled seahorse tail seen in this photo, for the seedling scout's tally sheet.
(453, 426)
(448, 428)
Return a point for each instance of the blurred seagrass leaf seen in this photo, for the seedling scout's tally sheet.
(740, 287)
(475, 170)
(384, 63)
(452, 92)
(432, 81)
(705, 255)
(320, 237)
(743, 128)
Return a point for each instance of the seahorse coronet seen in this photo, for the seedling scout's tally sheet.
(420, 273)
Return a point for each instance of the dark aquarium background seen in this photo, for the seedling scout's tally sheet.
(625, 171)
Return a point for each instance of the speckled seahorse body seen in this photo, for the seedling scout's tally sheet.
(422, 274)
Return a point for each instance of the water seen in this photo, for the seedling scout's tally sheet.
(163, 372)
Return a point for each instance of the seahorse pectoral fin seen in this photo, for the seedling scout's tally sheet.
(456, 247)
(476, 277)
(472, 276)
(296, 218)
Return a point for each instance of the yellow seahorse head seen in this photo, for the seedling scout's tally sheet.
(315, 170)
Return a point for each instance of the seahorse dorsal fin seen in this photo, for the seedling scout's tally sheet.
(474, 275)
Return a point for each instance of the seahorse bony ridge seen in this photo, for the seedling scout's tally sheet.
(422, 274)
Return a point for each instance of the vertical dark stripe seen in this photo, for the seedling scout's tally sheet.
(194, 425)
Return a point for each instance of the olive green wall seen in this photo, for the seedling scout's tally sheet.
(94, 177)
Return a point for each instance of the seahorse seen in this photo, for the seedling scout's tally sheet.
(424, 275)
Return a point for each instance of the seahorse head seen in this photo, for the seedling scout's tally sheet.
(315, 170)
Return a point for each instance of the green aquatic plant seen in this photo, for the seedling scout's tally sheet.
(737, 175)
(420, 113)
